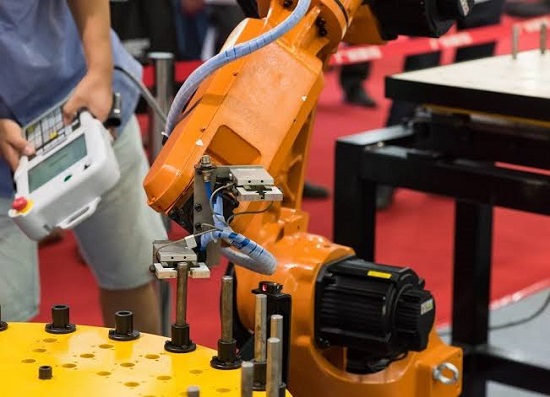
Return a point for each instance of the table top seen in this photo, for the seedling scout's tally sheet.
(501, 85)
(87, 363)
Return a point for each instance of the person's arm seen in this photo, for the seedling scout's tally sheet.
(95, 90)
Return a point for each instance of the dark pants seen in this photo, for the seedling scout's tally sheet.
(353, 75)
(151, 21)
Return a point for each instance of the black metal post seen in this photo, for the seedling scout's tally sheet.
(354, 206)
(354, 203)
(472, 273)
(471, 287)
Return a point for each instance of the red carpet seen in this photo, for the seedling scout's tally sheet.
(416, 231)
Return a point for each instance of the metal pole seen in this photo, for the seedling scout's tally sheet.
(515, 41)
(163, 63)
(193, 391)
(543, 34)
(227, 309)
(274, 367)
(247, 379)
(276, 330)
(260, 328)
(181, 294)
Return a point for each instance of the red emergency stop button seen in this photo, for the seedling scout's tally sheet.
(20, 204)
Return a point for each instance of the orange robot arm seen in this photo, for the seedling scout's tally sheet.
(258, 110)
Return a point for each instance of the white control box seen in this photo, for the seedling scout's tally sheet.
(62, 184)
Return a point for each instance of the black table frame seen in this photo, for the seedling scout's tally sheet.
(453, 157)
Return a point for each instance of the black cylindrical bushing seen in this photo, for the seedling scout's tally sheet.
(124, 327)
(124, 322)
(60, 316)
(60, 321)
(227, 357)
(45, 372)
(180, 342)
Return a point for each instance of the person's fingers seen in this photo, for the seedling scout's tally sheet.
(13, 136)
(13, 144)
(71, 108)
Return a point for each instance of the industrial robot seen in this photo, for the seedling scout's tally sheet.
(231, 172)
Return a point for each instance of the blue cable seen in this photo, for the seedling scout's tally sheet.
(250, 254)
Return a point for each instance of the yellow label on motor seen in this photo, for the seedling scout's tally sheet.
(426, 306)
(374, 273)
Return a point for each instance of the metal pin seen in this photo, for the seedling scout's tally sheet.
(515, 41)
(227, 309)
(274, 367)
(205, 160)
(193, 391)
(181, 294)
(276, 326)
(277, 332)
(3, 324)
(260, 328)
(206, 166)
(247, 379)
(543, 34)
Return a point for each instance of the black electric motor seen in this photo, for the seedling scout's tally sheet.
(378, 312)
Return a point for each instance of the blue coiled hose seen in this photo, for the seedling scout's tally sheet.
(250, 254)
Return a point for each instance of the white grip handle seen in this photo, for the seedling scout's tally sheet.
(82, 214)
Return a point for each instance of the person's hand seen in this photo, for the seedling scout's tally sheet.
(191, 7)
(94, 93)
(12, 143)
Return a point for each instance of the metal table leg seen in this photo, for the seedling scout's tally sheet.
(471, 286)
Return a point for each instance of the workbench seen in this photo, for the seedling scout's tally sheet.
(478, 115)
